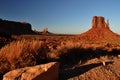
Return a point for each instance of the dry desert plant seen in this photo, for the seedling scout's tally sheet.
(23, 52)
(65, 49)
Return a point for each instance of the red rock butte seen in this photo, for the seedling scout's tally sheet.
(100, 30)
(99, 22)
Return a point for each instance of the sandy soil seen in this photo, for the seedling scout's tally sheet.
(93, 69)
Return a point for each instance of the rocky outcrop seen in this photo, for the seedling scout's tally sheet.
(99, 22)
(11, 27)
(100, 31)
(47, 71)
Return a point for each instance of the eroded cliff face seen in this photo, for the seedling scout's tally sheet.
(11, 27)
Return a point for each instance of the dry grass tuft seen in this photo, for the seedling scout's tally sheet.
(15, 50)
(20, 54)
(64, 49)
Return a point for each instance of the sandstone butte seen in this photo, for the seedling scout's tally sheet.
(100, 30)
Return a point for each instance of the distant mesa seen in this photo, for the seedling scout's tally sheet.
(100, 30)
(45, 31)
(17, 28)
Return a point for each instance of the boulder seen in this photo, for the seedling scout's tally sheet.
(47, 71)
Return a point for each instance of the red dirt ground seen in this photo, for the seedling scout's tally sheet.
(93, 70)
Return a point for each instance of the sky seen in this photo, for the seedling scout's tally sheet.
(61, 16)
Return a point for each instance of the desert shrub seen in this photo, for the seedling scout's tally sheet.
(67, 51)
(74, 51)
(4, 67)
(21, 53)
(23, 50)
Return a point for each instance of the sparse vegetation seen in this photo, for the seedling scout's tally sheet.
(27, 52)
(20, 54)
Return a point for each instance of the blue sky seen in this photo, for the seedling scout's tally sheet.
(61, 16)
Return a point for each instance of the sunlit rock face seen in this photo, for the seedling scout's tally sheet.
(99, 31)
(49, 71)
(99, 22)
(12, 27)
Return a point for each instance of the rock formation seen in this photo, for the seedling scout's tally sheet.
(47, 71)
(99, 22)
(45, 31)
(11, 27)
(100, 30)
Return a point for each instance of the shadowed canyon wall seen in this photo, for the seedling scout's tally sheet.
(11, 27)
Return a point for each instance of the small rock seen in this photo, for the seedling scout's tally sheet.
(103, 63)
(118, 56)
